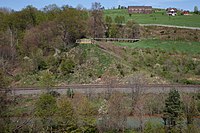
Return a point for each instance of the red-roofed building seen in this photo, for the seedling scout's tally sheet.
(140, 9)
(185, 13)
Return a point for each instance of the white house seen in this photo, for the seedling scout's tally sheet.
(171, 11)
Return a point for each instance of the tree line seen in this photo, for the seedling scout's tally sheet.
(100, 112)
(22, 32)
(30, 35)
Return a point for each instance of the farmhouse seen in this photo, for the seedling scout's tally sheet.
(140, 9)
(171, 11)
(185, 13)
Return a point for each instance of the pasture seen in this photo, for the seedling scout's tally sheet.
(166, 45)
(156, 18)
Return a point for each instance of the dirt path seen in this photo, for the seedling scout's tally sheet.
(113, 51)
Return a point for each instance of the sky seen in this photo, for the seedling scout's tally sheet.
(180, 4)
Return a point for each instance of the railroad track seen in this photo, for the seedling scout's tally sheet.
(108, 88)
(82, 86)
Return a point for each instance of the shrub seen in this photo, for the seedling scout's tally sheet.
(47, 79)
(67, 66)
(153, 127)
(54, 93)
(45, 108)
(197, 70)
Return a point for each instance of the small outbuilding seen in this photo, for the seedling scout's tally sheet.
(85, 41)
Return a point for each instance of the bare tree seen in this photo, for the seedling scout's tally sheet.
(113, 114)
(137, 105)
(190, 108)
(135, 84)
(111, 82)
(88, 93)
(96, 22)
(132, 30)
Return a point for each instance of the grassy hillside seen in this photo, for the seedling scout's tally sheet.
(180, 46)
(159, 62)
(176, 61)
(83, 64)
(156, 18)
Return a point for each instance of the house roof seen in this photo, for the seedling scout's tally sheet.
(170, 9)
(139, 6)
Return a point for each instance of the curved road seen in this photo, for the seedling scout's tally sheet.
(172, 26)
(99, 88)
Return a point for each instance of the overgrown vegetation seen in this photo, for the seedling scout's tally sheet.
(42, 50)
(37, 48)
(171, 60)
(96, 112)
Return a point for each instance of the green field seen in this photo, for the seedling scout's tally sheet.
(180, 46)
(156, 18)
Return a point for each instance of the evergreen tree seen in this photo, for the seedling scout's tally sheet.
(45, 108)
(65, 115)
(173, 109)
(196, 10)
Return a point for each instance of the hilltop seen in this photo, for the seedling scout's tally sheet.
(158, 17)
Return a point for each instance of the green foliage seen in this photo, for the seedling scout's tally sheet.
(197, 69)
(158, 56)
(47, 79)
(192, 129)
(4, 104)
(72, 25)
(67, 119)
(167, 45)
(119, 20)
(67, 66)
(45, 108)
(86, 116)
(198, 105)
(38, 61)
(173, 108)
(153, 127)
(196, 10)
(70, 93)
(54, 93)
(3, 81)
(108, 20)
(113, 31)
